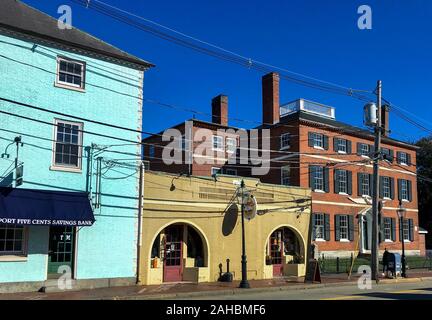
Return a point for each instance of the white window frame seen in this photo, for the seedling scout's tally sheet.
(386, 188)
(342, 143)
(231, 145)
(65, 167)
(343, 228)
(219, 170)
(318, 175)
(365, 152)
(285, 141)
(403, 160)
(405, 230)
(218, 140)
(319, 228)
(387, 230)
(68, 85)
(343, 181)
(286, 175)
(404, 190)
(182, 143)
(318, 140)
(363, 185)
(9, 255)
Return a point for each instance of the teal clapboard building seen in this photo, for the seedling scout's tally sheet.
(76, 208)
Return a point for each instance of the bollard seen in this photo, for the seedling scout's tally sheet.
(337, 265)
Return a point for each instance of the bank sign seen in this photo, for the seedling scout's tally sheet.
(46, 222)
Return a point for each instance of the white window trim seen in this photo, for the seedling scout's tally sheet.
(343, 193)
(281, 174)
(227, 144)
(67, 85)
(319, 148)
(66, 168)
(220, 148)
(320, 240)
(319, 191)
(17, 256)
(281, 139)
(344, 240)
(219, 169)
(388, 240)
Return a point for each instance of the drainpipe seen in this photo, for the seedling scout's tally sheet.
(139, 238)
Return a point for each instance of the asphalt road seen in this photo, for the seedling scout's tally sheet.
(396, 291)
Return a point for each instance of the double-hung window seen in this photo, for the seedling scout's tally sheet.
(341, 145)
(404, 189)
(365, 184)
(342, 180)
(285, 141)
(387, 229)
(319, 226)
(68, 144)
(12, 240)
(70, 73)
(363, 149)
(403, 158)
(231, 145)
(343, 227)
(386, 187)
(318, 140)
(231, 172)
(218, 143)
(406, 230)
(318, 178)
(285, 175)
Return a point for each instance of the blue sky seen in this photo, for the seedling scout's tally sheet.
(316, 38)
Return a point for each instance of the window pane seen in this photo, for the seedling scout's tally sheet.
(62, 77)
(63, 65)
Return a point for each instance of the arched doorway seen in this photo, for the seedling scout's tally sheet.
(177, 247)
(283, 247)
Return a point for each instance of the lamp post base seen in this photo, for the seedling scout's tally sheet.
(244, 284)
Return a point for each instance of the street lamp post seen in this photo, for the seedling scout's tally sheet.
(401, 213)
(244, 281)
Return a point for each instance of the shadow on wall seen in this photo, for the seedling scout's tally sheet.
(230, 220)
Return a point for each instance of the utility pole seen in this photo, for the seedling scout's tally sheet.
(377, 158)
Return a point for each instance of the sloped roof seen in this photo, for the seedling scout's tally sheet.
(17, 16)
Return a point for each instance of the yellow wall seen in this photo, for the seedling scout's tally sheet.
(200, 203)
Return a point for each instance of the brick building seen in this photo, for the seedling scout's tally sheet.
(310, 148)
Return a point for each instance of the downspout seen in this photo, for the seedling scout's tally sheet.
(139, 238)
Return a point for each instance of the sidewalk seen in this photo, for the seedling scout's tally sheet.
(184, 290)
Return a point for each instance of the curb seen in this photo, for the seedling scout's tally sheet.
(237, 291)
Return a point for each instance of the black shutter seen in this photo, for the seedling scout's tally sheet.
(349, 147)
(350, 227)
(314, 226)
(326, 172)
(411, 229)
(349, 181)
(381, 187)
(392, 188)
(409, 185)
(371, 150)
(398, 157)
(393, 229)
(335, 144)
(311, 139)
(371, 185)
(337, 227)
(399, 189)
(408, 159)
(359, 148)
(336, 180)
(359, 183)
(326, 142)
(311, 177)
(327, 227)
(391, 155)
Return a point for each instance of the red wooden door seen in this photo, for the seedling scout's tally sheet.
(276, 250)
(173, 261)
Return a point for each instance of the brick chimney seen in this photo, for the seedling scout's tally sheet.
(385, 115)
(220, 110)
(270, 98)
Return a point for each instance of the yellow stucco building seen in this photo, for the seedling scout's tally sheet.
(192, 225)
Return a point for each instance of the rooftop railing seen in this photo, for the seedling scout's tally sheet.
(307, 106)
